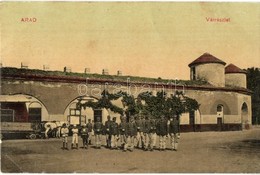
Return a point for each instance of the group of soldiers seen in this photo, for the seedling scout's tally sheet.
(138, 132)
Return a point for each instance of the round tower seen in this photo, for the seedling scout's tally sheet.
(208, 67)
(234, 76)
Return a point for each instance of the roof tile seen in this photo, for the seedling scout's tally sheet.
(231, 68)
(206, 58)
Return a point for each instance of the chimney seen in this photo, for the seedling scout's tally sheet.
(119, 73)
(105, 72)
(67, 69)
(24, 65)
(87, 70)
(46, 67)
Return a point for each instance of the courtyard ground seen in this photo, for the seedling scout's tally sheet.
(200, 152)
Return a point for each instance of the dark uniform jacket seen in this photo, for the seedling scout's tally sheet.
(114, 128)
(90, 127)
(162, 127)
(131, 129)
(123, 128)
(174, 126)
(107, 126)
(153, 126)
(84, 131)
(140, 125)
(98, 126)
(147, 126)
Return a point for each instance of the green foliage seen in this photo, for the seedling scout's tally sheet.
(253, 83)
(145, 104)
(103, 102)
(252, 75)
(16, 71)
(133, 106)
(158, 105)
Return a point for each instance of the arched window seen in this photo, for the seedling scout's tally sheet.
(244, 113)
(193, 73)
(220, 108)
(35, 112)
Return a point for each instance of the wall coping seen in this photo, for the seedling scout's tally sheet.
(66, 79)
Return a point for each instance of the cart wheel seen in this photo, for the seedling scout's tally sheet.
(32, 136)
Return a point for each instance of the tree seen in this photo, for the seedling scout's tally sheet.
(154, 105)
(158, 105)
(103, 102)
(253, 83)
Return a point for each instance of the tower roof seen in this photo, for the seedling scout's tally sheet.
(206, 58)
(231, 68)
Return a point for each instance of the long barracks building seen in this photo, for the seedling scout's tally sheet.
(225, 102)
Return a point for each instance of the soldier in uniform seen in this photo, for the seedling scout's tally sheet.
(147, 128)
(90, 128)
(123, 133)
(98, 126)
(174, 131)
(75, 137)
(84, 136)
(162, 131)
(153, 135)
(107, 131)
(131, 133)
(114, 134)
(140, 135)
(64, 134)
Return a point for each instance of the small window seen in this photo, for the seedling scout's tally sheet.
(35, 114)
(7, 115)
(219, 108)
(193, 73)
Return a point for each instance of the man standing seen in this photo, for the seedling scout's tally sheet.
(75, 138)
(153, 135)
(64, 134)
(174, 132)
(98, 126)
(123, 133)
(114, 134)
(147, 127)
(90, 128)
(84, 136)
(162, 132)
(131, 133)
(140, 135)
(107, 131)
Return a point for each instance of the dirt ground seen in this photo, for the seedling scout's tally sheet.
(200, 152)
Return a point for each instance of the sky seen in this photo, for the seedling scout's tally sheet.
(150, 39)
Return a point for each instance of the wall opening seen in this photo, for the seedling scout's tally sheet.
(193, 73)
(244, 116)
(220, 116)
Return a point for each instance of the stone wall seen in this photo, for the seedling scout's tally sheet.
(214, 73)
(236, 80)
(57, 97)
